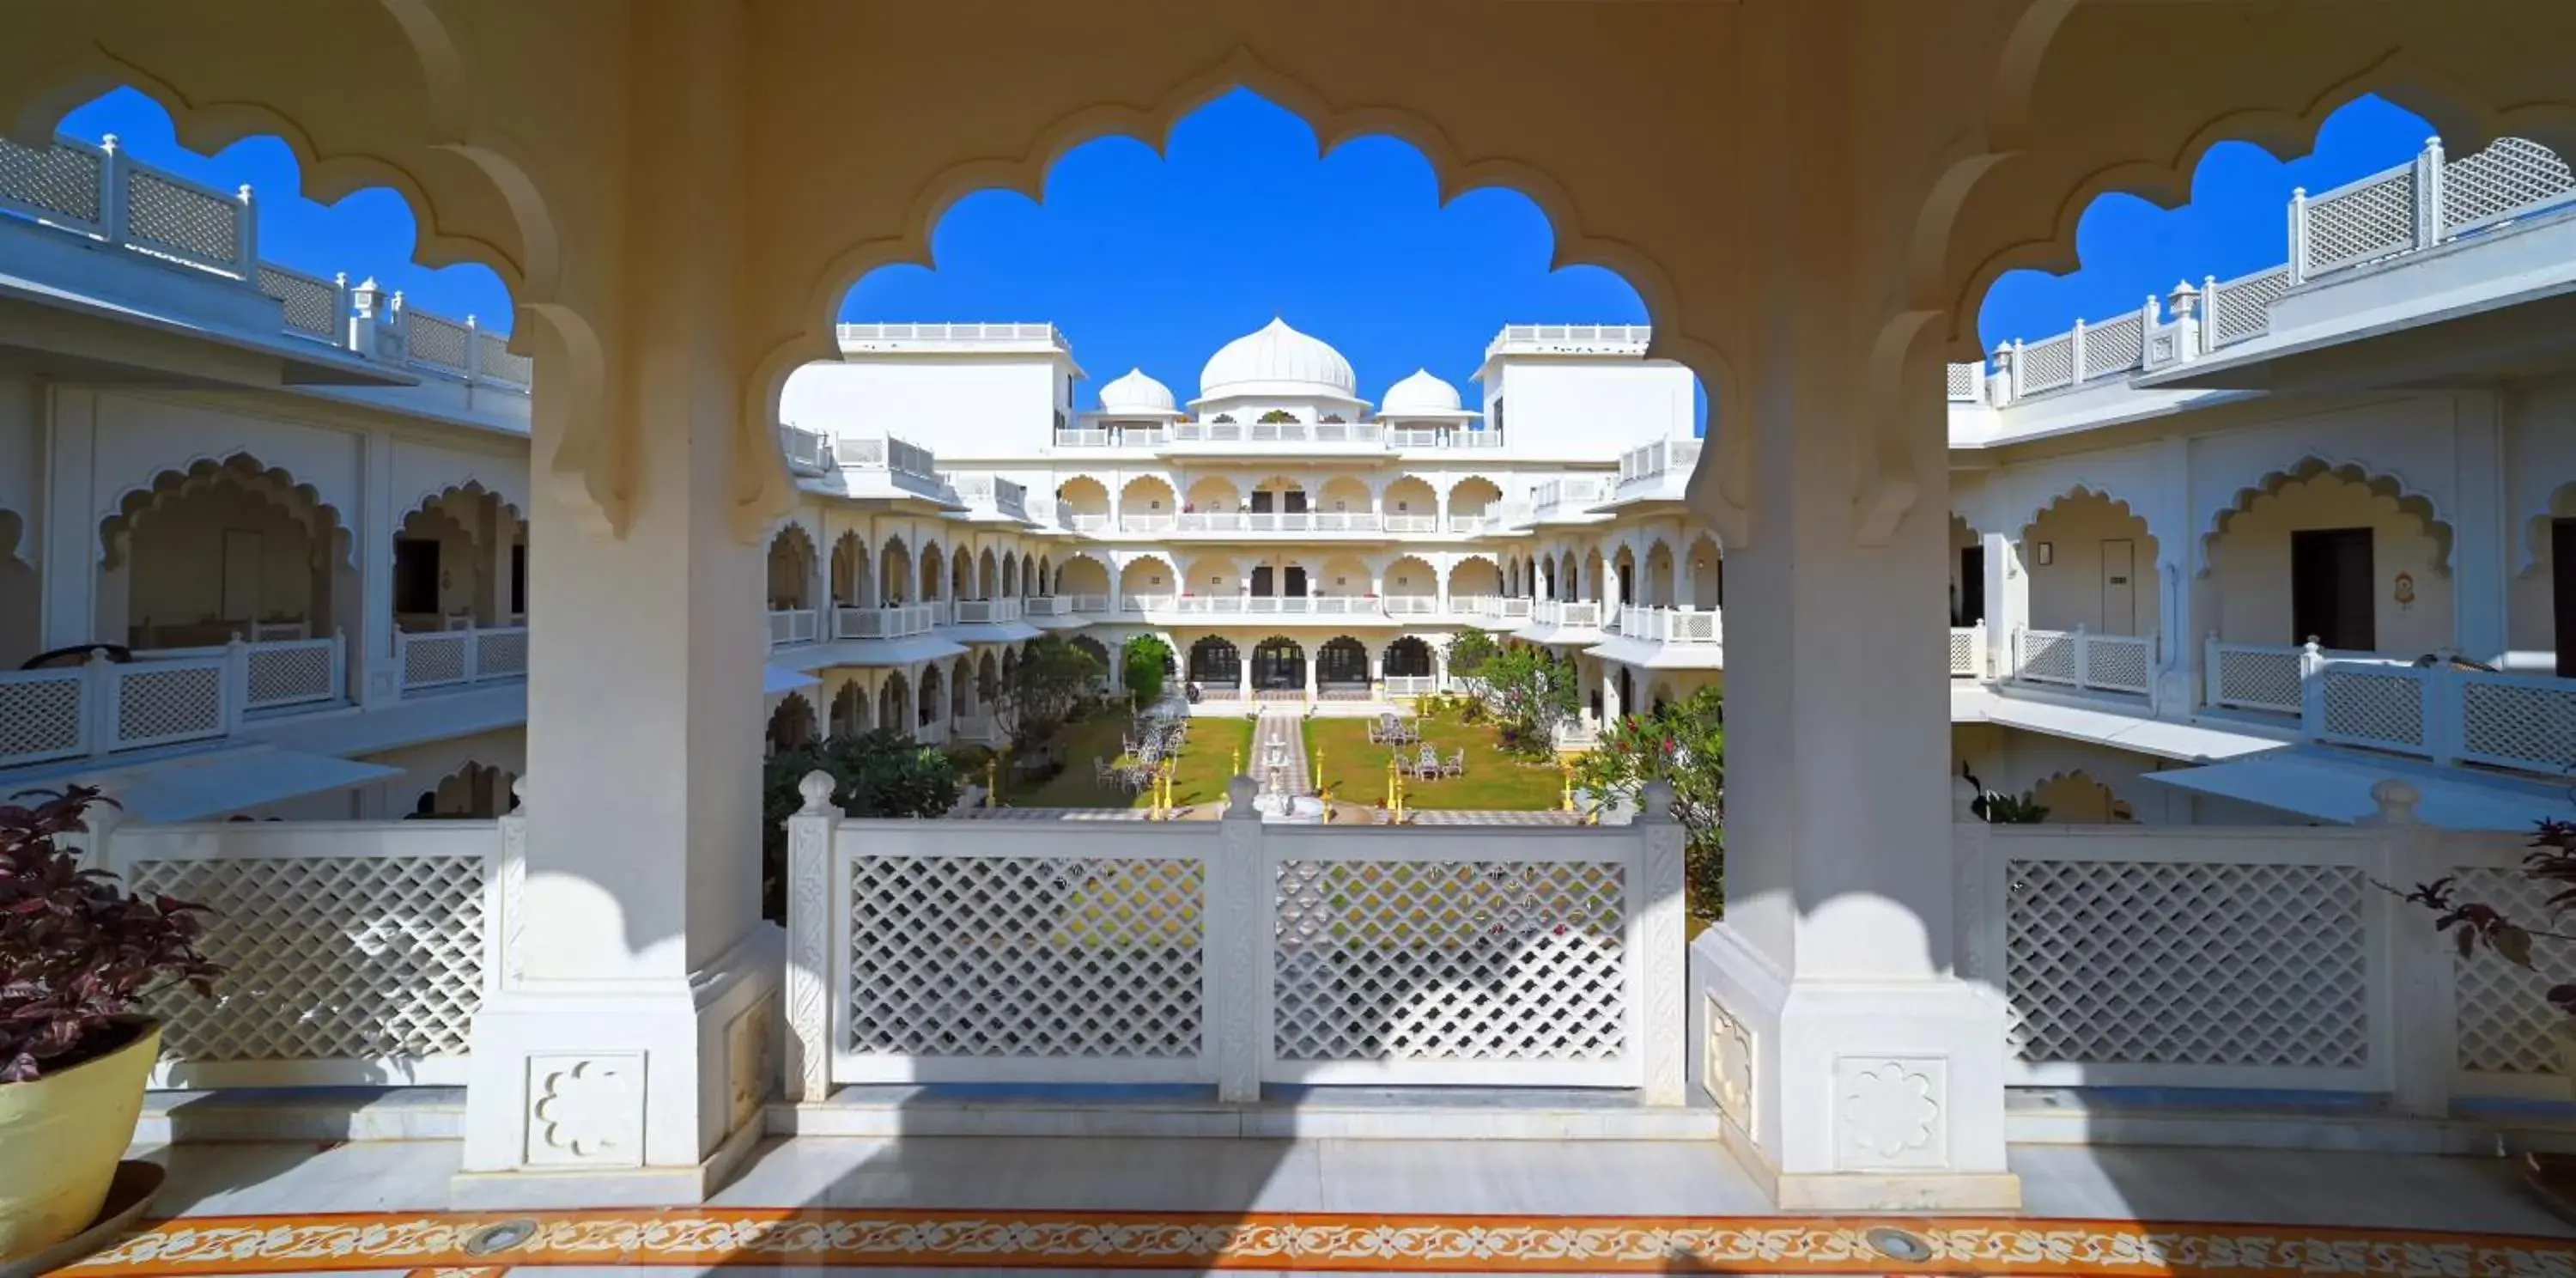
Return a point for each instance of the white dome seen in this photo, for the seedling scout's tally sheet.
(1420, 395)
(1277, 361)
(1136, 395)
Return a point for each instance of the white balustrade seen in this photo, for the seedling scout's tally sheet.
(354, 952)
(1046, 606)
(1412, 685)
(896, 621)
(1968, 651)
(1233, 954)
(1574, 614)
(1148, 523)
(1346, 521)
(448, 658)
(974, 611)
(1089, 521)
(1671, 625)
(793, 626)
(162, 697)
(2085, 661)
(1412, 523)
(1410, 605)
(1091, 605)
(2107, 985)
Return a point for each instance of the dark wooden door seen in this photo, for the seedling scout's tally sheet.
(1972, 586)
(2330, 588)
(2562, 591)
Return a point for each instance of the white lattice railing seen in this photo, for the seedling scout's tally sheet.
(2208, 956)
(1655, 460)
(448, 658)
(2082, 660)
(808, 452)
(1233, 953)
(354, 952)
(897, 622)
(2415, 206)
(2256, 676)
(1659, 624)
(1574, 614)
(99, 194)
(163, 697)
(794, 625)
(1968, 651)
(2444, 713)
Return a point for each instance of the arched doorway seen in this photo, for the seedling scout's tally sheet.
(1278, 665)
(894, 703)
(850, 710)
(1216, 666)
(791, 724)
(1342, 668)
(1408, 658)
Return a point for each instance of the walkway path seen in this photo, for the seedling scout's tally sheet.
(1093, 1205)
(1279, 729)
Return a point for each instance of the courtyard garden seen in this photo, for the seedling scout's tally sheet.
(1198, 775)
(1494, 779)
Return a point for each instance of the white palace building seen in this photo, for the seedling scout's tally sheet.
(2234, 560)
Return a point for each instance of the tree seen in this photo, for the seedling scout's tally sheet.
(1146, 659)
(1043, 691)
(1528, 691)
(874, 774)
(1469, 652)
(1683, 743)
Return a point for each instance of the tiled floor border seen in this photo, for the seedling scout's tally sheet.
(483, 1245)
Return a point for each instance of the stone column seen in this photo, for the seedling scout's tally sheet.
(2483, 533)
(1243, 671)
(69, 544)
(2007, 598)
(621, 1053)
(1873, 1074)
(2177, 687)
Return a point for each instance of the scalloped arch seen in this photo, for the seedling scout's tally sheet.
(2081, 490)
(2561, 504)
(2409, 499)
(470, 488)
(271, 483)
(1025, 174)
(1937, 280)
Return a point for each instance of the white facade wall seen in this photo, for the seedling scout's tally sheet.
(955, 405)
(1588, 409)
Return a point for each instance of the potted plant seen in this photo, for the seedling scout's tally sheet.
(79, 957)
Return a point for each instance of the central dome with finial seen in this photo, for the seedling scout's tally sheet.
(1278, 362)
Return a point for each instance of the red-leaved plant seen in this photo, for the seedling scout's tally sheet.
(78, 954)
(2472, 924)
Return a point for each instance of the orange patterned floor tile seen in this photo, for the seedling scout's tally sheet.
(486, 1245)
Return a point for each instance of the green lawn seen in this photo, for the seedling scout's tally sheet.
(1198, 780)
(1495, 782)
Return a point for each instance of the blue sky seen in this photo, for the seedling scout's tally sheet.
(1156, 260)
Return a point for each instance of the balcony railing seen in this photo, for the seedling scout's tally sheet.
(893, 622)
(1046, 606)
(1557, 495)
(1638, 465)
(161, 697)
(449, 658)
(1572, 339)
(2410, 208)
(1573, 614)
(1968, 651)
(1107, 437)
(953, 336)
(1656, 624)
(2084, 661)
(985, 611)
(99, 194)
(1090, 605)
(808, 452)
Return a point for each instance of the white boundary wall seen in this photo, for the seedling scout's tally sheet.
(1233, 953)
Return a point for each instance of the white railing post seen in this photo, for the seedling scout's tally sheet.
(103, 689)
(1235, 969)
(2075, 354)
(2212, 687)
(339, 664)
(1656, 912)
(2428, 194)
(2298, 235)
(814, 969)
(473, 655)
(2083, 645)
(473, 351)
(233, 690)
(2312, 690)
(2418, 1025)
(111, 190)
(2441, 692)
(1980, 944)
(2020, 380)
(2188, 322)
(246, 237)
(1977, 654)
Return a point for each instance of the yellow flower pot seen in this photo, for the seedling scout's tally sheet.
(82, 1118)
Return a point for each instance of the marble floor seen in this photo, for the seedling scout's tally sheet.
(989, 1204)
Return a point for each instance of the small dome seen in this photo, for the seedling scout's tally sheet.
(1277, 361)
(1136, 395)
(1420, 395)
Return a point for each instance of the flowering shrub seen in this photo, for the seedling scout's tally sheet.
(78, 956)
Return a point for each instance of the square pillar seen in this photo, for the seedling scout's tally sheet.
(2177, 676)
(2007, 599)
(621, 1055)
(2482, 532)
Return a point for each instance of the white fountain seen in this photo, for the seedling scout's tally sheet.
(1275, 803)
